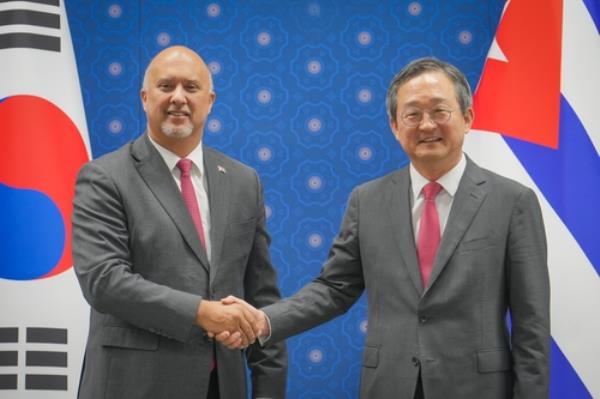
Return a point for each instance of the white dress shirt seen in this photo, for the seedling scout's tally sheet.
(444, 199)
(198, 180)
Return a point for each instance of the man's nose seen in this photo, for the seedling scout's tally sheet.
(427, 122)
(178, 96)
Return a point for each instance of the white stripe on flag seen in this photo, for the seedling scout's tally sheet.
(580, 77)
(575, 287)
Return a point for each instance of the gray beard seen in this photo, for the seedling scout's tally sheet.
(176, 132)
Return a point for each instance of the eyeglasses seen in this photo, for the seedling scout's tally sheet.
(414, 117)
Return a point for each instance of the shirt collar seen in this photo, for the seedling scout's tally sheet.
(449, 181)
(171, 159)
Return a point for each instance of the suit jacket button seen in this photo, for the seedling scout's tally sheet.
(415, 362)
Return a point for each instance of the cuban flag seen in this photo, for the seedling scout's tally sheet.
(44, 141)
(537, 120)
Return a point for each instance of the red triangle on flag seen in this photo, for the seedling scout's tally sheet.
(520, 97)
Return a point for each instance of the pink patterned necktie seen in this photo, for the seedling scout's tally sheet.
(429, 231)
(189, 197)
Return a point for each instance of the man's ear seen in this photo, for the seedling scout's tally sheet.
(213, 97)
(394, 128)
(469, 117)
(144, 97)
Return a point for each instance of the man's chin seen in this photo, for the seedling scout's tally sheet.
(177, 132)
(430, 155)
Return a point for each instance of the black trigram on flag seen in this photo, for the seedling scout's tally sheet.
(9, 358)
(23, 23)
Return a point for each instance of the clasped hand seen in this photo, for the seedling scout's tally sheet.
(232, 321)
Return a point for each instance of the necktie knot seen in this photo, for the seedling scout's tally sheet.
(431, 190)
(185, 165)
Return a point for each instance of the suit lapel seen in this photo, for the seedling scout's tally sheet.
(218, 197)
(469, 197)
(155, 173)
(399, 212)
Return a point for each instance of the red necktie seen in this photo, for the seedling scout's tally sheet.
(189, 197)
(429, 231)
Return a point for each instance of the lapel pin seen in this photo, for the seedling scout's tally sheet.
(221, 169)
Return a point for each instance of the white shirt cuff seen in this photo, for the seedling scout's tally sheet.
(263, 339)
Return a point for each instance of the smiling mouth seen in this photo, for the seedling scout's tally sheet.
(178, 114)
(429, 140)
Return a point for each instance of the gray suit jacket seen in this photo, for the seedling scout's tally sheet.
(141, 267)
(492, 259)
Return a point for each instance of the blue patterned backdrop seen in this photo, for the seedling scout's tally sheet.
(300, 97)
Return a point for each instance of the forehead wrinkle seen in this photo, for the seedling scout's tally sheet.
(418, 102)
(176, 78)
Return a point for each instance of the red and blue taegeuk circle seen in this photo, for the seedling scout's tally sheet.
(42, 151)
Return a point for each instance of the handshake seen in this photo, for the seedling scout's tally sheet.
(232, 321)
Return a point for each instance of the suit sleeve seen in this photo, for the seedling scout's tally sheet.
(337, 288)
(103, 264)
(529, 296)
(268, 364)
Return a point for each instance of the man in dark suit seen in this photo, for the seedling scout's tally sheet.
(445, 250)
(162, 229)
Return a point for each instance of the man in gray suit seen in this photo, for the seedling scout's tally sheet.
(445, 249)
(162, 229)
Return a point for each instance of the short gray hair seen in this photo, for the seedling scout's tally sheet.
(423, 65)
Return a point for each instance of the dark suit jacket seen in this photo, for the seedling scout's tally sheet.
(492, 259)
(141, 267)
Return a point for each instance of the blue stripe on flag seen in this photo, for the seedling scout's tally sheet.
(569, 178)
(593, 7)
(564, 381)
